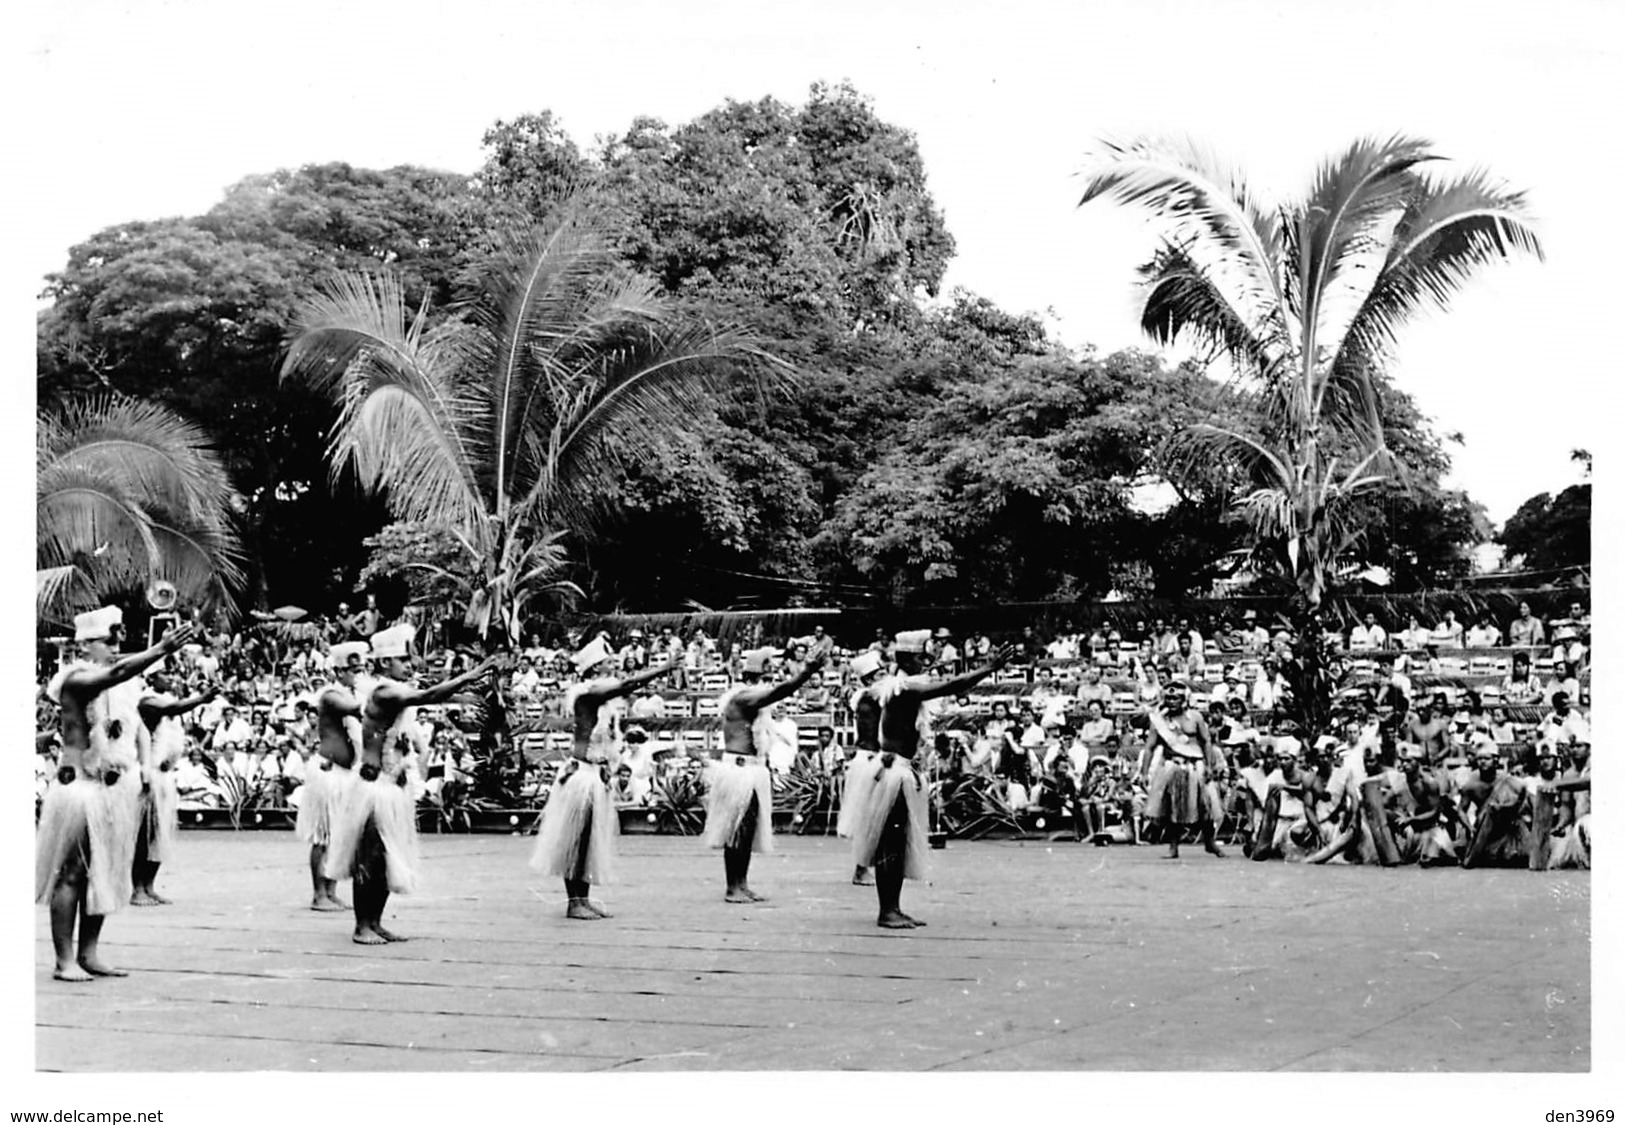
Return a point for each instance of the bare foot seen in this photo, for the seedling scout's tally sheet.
(743, 894)
(387, 935)
(327, 905)
(1213, 849)
(369, 937)
(581, 912)
(911, 918)
(96, 967)
(71, 973)
(598, 909)
(143, 898)
(1173, 852)
(862, 878)
(896, 920)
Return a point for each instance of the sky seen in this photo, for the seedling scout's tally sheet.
(152, 108)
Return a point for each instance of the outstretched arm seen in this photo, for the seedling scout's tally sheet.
(788, 687)
(444, 690)
(959, 683)
(158, 710)
(637, 679)
(94, 680)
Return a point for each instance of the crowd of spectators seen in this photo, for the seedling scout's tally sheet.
(1056, 735)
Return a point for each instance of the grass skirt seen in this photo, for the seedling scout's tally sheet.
(1427, 845)
(579, 826)
(731, 784)
(885, 788)
(1573, 848)
(322, 794)
(160, 810)
(1179, 793)
(378, 814)
(860, 775)
(92, 826)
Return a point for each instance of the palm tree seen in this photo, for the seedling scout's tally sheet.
(507, 422)
(127, 492)
(1306, 301)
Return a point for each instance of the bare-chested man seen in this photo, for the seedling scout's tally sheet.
(889, 827)
(328, 778)
(89, 818)
(374, 832)
(1423, 816)
(576, 840)
(739, 802)
(160, 799)
(866, 666)
(1177, 761)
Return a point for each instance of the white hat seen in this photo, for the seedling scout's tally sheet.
(594, 654)
(393, 641)
(340, 654)
(97, 624)
(913, 640)
(865, 663)
(756, 659)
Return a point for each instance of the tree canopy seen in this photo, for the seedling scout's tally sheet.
(935, 448)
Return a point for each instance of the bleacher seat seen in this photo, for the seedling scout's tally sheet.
(707, 707)
(679, 707)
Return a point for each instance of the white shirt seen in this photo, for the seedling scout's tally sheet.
(1362, 639)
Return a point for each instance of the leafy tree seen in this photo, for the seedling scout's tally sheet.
(127, 492)
(509, 426)
(1549, 532)
(1305, 302)
(192, 313)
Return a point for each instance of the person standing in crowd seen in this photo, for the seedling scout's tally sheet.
(160, 798)
(91, 814)
(739, 805)
(576, 839)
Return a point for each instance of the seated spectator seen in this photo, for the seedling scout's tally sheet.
(1368, 636)
(1564, 724)
(1484, 634)
(1416, 634)
(1526, 630)
(1522, 687)
(1094, 688)
(1567, 648)
(233, 730)
(1187, 662)
(1254, 637)
(1097, 729)
(1047, 702)
(647, 704)
(1448, 632)
(1063, 647)
(626, 790)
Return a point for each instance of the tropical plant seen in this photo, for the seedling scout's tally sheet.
(127, 492)
(810, 796)
(507, 422)
(1305, 301)
(678, 802)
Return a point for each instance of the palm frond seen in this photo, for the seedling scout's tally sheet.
(1448, 232)
(406, 424)
(640, 387)
(1181, 298)
(1200, 446)
(51, 588)
(1186, 188)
